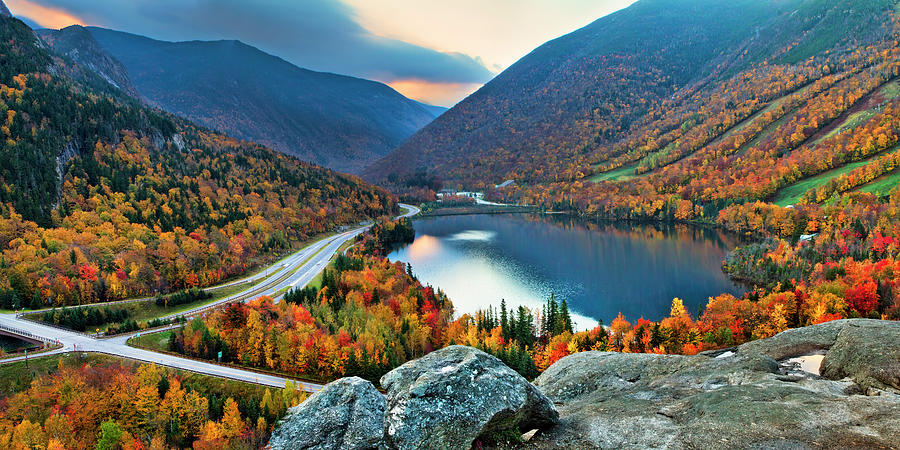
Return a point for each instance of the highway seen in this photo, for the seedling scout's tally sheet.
(296, 270)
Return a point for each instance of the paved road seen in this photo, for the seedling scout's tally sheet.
(296, 270)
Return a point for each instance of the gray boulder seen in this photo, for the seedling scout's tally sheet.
(868, 351)
(345, 414)
(797, 341)
(455, 395)
(741, 398)
(865, 350)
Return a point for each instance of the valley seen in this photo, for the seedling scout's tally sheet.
(681, 217)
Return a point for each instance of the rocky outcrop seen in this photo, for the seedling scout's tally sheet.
(178, 141)
(346, 414)
(4, 11)
(77, 43)
(748, 397)
(798, 341)
(455, 395)
(68, 152)
(868, 352)
(751, 396)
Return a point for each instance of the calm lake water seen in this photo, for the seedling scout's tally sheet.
(600, 269)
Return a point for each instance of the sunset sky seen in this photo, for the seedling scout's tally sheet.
(433, 51)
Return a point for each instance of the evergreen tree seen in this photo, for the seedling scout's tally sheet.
(565, 318)
(523, 328)
(36, 302)
(504, 319)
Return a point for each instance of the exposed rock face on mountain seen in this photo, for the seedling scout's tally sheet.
(752, 396)
(4, 11)
(345, 414)
(77, 43)
(453, 396)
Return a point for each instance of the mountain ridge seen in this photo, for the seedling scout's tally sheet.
(572, 100)
(76, 43)
(337, 121)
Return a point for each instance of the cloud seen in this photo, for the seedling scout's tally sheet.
(42, 16)
(440, 94)
(321, 35)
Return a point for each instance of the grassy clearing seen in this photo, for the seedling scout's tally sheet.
(789, 195)
(882, 186)
(627, 172)
(16, 377)
(620, 174)
(888, 92)
(854, 120)
(891, 90)
(157, 342)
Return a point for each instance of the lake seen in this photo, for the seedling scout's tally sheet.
(600, 269)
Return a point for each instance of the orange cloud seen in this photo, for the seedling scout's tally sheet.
(44, 16)
(434, 93)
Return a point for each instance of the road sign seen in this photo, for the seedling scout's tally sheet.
(220, 356)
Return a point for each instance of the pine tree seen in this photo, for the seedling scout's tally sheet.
(504, 319)
(565, 317)
(552, 317)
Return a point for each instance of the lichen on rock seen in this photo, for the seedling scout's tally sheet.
(455, 395)
(346, 414)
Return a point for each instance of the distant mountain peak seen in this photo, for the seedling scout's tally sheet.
(4, 11)
(78, 44)
(337, 121)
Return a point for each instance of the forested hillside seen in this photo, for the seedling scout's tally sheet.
(779, 120)
(102, 198)
(336, 121)
(651, 84)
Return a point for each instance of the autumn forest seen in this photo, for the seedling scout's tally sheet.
(125, 225)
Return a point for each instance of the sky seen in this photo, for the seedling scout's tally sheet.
(433, 51)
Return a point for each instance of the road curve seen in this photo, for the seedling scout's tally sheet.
(293, 271)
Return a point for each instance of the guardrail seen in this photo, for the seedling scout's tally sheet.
(260, 289)
(26, 334)
(252, 292)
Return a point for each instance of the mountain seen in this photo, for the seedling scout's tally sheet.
(77, 44)
(336, 121)
(434, 110)
(567, 109)
(104, 198)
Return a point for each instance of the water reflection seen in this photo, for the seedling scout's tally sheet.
(424, 248)
(601, 269)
